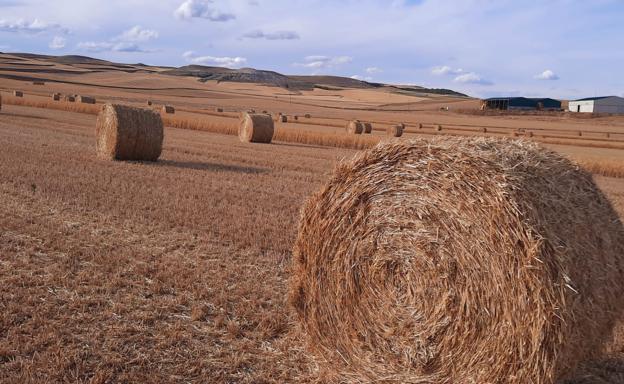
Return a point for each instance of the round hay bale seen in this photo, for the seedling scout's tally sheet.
(308, 116)
(70, 98)
(608, 135)
(580, 133)
(355, 127)
(284, 118)
(86, 99)
(149, 103)
(256, 128)
(368, 128)
(168, 109)
(56, 96)
(530, 134)
(296, 117)
(420, 126)
(128, 133)
(18, 93)
(438, 128)
(395, 131)
(458, 261)
(219, 110)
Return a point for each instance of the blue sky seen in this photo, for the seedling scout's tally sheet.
(557, 48)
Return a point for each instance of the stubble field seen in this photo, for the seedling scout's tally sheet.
(177, 271)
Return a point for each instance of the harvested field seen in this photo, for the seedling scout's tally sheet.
(177, 271)
(99, 284)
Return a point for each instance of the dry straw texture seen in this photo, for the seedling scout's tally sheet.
(168, 109)
(368, 128)
(256, 128)
(128, 133)
(18, 93)
(458, 261)
(355, 127)
(395, 131)
(86, 99)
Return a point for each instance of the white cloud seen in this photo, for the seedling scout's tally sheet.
(201, 9)
(138, 34)
(472, 78)
(373, 70)
(446, 70)
(362, 78)
(324, 62)
(229, 62)
(279, 35)
(58, 42)
(547, 75)
(35, 26)
(104, 46)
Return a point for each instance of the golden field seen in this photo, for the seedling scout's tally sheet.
(176, 271)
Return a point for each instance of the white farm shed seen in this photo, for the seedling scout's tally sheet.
(606, 104)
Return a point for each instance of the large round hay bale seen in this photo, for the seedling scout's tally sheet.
(129, 133)
(70, 98)
(284, 118)
(149, 103)
(168, 109)
(395, 131)
(368, 127)
(18, 93)
(458, 261)
(355, 127)
(86, 99)
(56, 96)
(256, 128)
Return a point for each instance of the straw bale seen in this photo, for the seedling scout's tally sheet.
(456, 260)
(256, 128)
(355, 127)
(128, 133)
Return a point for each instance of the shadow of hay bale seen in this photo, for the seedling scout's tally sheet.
(204, 166)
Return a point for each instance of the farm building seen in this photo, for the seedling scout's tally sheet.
(605, 104)
(507, 103)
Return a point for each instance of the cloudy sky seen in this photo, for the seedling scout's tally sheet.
(558, 48)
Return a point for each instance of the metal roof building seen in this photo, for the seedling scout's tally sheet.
(515, 103)
(603, 104)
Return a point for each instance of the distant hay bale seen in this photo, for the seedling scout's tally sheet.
(256, 128)
(530, 134)
(18, 93)
(38, 83)
(395, 131)
(608, 135)
(265, 112)
(438, 128)
(457, 260)
(355, 127)
(420, 126)
(128, 133)
(168, 109)
(149, 103)
(484, 130)
(70, 98)
(308, 116)
(86, 99)
(56, 96)
(368, 127)
(580, 133)
(219, 110)
(284, 118)
(296, 117)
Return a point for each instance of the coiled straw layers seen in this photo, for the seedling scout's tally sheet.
(256, 128)
(457, 261)
(355, 127)
(128, 133)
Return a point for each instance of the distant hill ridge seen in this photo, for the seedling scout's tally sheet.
(245, 75)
